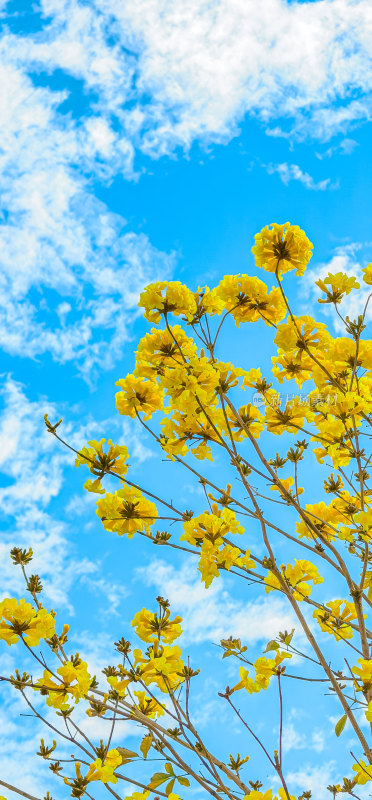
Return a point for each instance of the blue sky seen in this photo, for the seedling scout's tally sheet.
(142, 141)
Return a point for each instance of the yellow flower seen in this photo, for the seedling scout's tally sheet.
(368, 712)
(251, 378)
(126, 511)
(339, 284)
(335, 621)
(19, 617)
(251, 418)
(161, 349)
(209, 302)
(57, 692)
(287, 483)
(212, 526)
(363, 772)
(296, 577)
(364, 674)
(191, 384)
(247, 299)
(138, 395)
(265, 668)
(282, 248)
(287, 366)
(228, 556)
(176, 299)
(120, 686)
(207, 566)
(74, 681)
(289, 419)
(180, 428)
(367, 277)
(148, 706)
(99, 462)
(325, 518)
(313, 334)
(99, 771)
(149, 627)
(268, 795)
(161, 665)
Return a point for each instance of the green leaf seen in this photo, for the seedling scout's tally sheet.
(289, 637)
(169, 786)
(146, 744)
(157, 779)
(340, 725)
(169, 769)
(228, 653)
(271, 645)
(127, 755)
(183, 781)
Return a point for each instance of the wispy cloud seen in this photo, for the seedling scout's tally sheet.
(71, 271)
(342, 148)
(292, 172)
(294, 739)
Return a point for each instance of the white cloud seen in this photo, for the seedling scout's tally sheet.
(19, 764)
(150, 76)
(207, 64)
(302, 740)
(313, 778)
(343, 148)
(28, 455)
(292, 172)
(318, 777)
(212, 614)
(112, 592)
(71, 272)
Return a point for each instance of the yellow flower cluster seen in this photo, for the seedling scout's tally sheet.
(99, 462)
(138, 395)
(363, 772)
(20, 619)
(207, 531)
(98, 771)
(73, 682)
(255, 794)
(296, 577)
(336, 286)
(335, 620)
(161, 349)
(150, 627)
(147, 706)
(145, 795)
(246, 299)
(281, 248)
(162, 298)
(363, 674)
(212, 526)
(162, 666)
(265, 668)
(126, 511)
